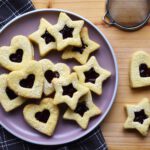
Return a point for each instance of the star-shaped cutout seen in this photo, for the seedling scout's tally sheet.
(81, 54)
(44, 37)
(92, 75)
(68, 32)
(138, 116)
(83, 112)
(68, 90)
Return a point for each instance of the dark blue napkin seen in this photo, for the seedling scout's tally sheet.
(9, 9)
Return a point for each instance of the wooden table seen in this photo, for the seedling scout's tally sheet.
(124, 44)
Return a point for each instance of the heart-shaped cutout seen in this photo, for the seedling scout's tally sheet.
(27, 82)
(8, 98)
(140, 69)
(15, 56)
(42, 117)
(52, 71)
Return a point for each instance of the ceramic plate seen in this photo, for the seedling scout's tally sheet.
(66, 131)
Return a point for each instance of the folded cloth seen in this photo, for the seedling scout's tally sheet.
(9, 9)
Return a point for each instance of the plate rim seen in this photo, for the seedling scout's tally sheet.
(116, 74)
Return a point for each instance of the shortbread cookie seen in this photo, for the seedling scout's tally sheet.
(81, 54)
(8, 99)
(92, 75)
(138, 116)
(85, 110)
(68, 32)
(68, 90)
(15, 56)
(42, 117)
(44, 37)
(52, 71)
(27, 82)
(140, 69)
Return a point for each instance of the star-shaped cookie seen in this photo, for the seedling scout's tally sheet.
(68, 32)
(81, 54)
(52, 71)
(68, 90)
(44, 37)
(8, 98)
(138, 116)
(92, 75)
(85, 110)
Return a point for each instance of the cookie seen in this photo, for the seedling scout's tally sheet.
(42, 117)
(68, 90)
(19, 53)
(8, 99)
(27, 82)
(138, 116)
(68, 32)
(85, 110)
(140, 69)
(44, 37)
(81, 54)
(52, 71)
(92, 75)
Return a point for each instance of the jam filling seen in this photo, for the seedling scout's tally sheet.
(49, 75)
(42, 116)
(47, 37)
(11, 95)
(28, 82)
(140, 116)
(81, 108)
(69, 90)
(144, 70)
(91, 75)
(66, 32)
(17, 57)
(80, 49)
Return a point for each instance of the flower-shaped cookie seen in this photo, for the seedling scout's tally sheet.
(44, 37)
(92, 75)
(138, 116)
(68, 90)
(68, 32)
(27, 82)
(42, 117)
(140, 69)
(81, 54)
(52, 71)
(8, 99)
(19, 53)
(84, 111)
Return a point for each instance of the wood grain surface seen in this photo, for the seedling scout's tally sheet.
(124, 44)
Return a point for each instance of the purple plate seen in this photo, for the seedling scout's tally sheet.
(66, 131)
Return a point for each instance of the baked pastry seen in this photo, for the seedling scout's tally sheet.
(68, 90)
(84, 111)
(68, 32)
(52, 71)
(27, 82)
(8, 99)
(138, 116)
(15, 56)
(81, 54)
(44, 37)
(92, 75)
(42, 117)
(140, 69)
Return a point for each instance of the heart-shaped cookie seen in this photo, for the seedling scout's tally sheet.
(42, 117)
(15, 56)
(52, 71)
(140, 69)
(27, 82)
(8, 99)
